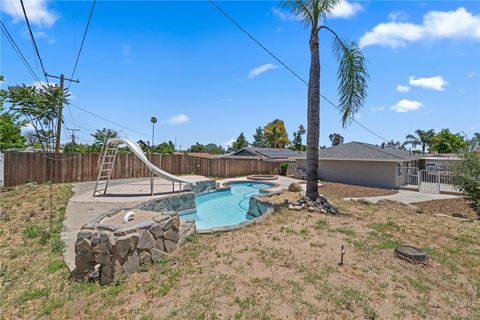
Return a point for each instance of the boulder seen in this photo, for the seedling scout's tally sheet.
(144, 257)
(83, 245)
(131, 265)
(295, 187)
(145, 241)
(157, 255)
(156, 231)
(121, 246)
(169, 245)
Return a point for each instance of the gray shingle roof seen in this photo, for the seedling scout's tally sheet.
(365, 151)
(265, 153)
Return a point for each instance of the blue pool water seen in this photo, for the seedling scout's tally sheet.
(225, 207)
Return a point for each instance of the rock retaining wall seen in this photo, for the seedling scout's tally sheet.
(180, 202)
(120, 250)
(205, 185)
(257, 207)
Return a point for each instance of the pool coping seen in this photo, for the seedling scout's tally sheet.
(273, 185)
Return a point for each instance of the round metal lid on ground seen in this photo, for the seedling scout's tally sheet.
(411, 254)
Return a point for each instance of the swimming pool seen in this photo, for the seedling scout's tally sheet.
(223, 208)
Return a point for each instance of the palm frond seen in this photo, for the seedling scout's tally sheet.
(352, 78)
(309, 11)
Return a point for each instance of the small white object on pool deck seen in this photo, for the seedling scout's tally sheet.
(128, 216)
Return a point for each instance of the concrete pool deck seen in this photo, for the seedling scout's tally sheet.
(83, 207)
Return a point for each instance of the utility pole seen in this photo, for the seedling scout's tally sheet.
(72, 135)
(60, 109)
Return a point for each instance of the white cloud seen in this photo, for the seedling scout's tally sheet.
(398, 16)
(357, 116)
(259, 70)
(37, 11)
(472, 74)
(401, 88)
(178, 119)
(284, 15)
(377, 109)
(405, 105)
(38, 35)
(435, 83)
(345, 9)
(436, 25)
(229, 142)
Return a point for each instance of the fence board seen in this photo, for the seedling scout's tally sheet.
(24, 167)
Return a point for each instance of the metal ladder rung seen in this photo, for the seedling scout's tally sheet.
(101, 177)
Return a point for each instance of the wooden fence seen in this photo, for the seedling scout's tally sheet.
(24, 167)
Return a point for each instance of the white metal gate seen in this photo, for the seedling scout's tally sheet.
(428, 181)
(407, 177)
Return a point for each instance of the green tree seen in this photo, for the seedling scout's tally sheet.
(212, 148)
(421, 138)
(197, 147)
(474, 143)
(238, 144)
(101, 136)
(447, 142)
(164, 148)
(275, 134)
(467, 176)
(336, 139)
(394, 144)
(10, 133)
(37, 106)
(259, 138)
(352, 76)
(297, 144)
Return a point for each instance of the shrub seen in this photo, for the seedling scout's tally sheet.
(283, 168)
(467, 177)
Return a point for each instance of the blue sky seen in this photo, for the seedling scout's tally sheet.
(205, 81)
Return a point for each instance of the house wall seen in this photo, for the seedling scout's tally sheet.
(380, 174)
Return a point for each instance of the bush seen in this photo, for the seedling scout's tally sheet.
(467, 177)
(283, 168)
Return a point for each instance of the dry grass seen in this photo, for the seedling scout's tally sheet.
(449, 206)
(341, 190)
(282, 268)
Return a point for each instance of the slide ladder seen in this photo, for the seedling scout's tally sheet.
(105, 168)
(107, 160)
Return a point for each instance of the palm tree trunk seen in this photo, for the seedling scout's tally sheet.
(313, 113)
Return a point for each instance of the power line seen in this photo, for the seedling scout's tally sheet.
(109, 121)
(18, 51)
(83, 41)
(287, 67)
(33, 40)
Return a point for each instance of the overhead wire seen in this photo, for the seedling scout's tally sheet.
(296, 75)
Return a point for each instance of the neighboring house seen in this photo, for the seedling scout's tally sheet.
(362, 164)
(273, 154)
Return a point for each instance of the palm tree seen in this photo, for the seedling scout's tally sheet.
(352, 76)
(423, 138)
(153, 120)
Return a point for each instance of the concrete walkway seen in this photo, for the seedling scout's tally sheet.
(408, 197)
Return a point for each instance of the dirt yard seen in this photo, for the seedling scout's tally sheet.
(341, 190)
(449, 206)
(282, 268)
